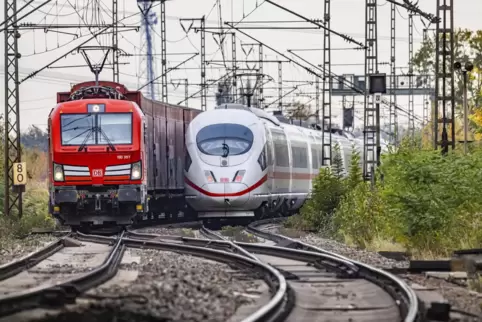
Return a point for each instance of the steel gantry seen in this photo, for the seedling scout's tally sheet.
(393, 121)
(411, 102)
(326, 95)
(371, 109)
(260, 77)
(164, 93)
(115, 41)
(280, 86)
(202, 30)
(12, 154)
(147, 62)
(444, 112)
(235, 67)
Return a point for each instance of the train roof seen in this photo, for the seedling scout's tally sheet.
(278, 119)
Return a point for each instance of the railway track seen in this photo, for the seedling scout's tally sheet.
(60, 293)
(50, 285)
(305, 283)
(334, 287)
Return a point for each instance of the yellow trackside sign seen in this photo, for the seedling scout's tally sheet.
(20, 174)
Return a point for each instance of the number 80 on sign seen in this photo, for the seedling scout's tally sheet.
(20, 173)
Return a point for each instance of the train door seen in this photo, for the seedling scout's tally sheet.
(314, 159)
(269, 150)
(290, 165)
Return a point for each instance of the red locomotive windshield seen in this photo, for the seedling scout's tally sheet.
(96, 129)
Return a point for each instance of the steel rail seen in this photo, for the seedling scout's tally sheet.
(279, 306)
(346, 268)
(234, 248)
(408, 304)
(137, 235)
(16, 266)
(67, 291)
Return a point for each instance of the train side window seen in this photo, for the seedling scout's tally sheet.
(300, 157)
(281, 152)
(281, 149)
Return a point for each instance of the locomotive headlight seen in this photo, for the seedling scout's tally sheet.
(58, 172)
(136, 171)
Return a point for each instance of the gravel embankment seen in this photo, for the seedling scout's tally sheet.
(458, 296)
(169, 287)
(12, 249)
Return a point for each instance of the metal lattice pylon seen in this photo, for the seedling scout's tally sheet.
(444, 113)
(13, 201)
(327, 86)
(147, 63)
(370, 113)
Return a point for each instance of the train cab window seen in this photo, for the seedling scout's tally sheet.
(96, 129)
(117, 127)
(225, 139)
(77, 129)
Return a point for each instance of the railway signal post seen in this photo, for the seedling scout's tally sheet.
(372, 148)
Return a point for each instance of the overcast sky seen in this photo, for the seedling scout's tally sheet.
(38, 94)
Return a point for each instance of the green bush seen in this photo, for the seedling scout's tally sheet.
(327, 192)
(35, 215)
(426, 202)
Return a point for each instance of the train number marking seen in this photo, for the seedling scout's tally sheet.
(123, 157)
(97, 173)
(20, 174)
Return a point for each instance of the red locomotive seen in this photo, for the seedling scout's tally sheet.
(115, 155)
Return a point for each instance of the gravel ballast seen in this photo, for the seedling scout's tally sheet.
(13, 249)
(168, 287)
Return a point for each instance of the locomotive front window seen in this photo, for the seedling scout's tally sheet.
(117, 127)
(76, 128)
(224, 139)
(96, 129)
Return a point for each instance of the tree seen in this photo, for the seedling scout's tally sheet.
(468, 47)
(35, 137)
(299, 111)
(337, 166)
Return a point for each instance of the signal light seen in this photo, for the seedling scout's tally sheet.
(95, 108)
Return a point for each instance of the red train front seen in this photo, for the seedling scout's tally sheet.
(97, 154)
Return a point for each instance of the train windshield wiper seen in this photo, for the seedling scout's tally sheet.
(225, 150)
(84, 143)
(109, 142)
(98, 130)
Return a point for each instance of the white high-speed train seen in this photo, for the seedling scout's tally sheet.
(244, 162)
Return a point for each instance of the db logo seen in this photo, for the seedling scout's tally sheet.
(97, 173)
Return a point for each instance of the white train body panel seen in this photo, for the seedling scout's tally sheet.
(279, 161)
